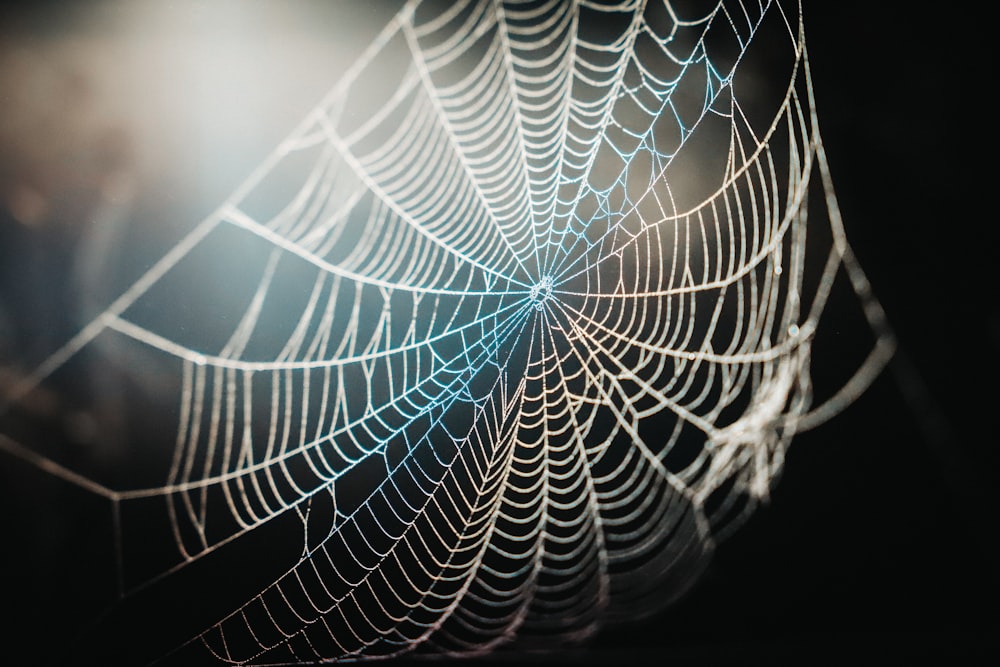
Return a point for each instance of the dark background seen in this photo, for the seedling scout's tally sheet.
(877, 546)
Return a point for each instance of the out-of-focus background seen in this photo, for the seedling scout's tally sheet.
(123, 123)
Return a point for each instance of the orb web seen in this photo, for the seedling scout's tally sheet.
(521, 327)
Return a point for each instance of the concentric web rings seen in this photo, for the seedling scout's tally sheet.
(522, 326)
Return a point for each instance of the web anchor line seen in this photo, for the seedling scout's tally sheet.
(530, 333)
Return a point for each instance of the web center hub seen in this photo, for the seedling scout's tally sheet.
(541, 292)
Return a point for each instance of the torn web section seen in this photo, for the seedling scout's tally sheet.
(675, 82)
(701, 300)
(759, 285)
(648, 101)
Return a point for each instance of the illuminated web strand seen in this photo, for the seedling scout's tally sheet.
(345, 429)
(472, 122)
(188, 354)
(711, 96)
(444, 396)
(381, 556)
(532, 379)
(627, 57)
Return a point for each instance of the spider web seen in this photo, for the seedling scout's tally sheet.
(521, 327)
